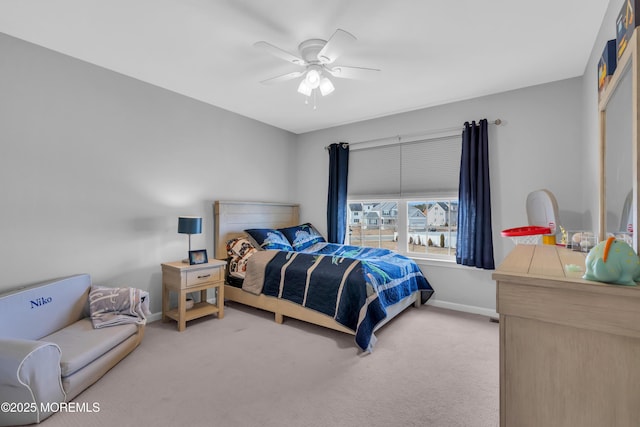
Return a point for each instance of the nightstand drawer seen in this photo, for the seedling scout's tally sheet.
(197, 277)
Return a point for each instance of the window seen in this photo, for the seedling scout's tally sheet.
(430, 226)
(370, 232)
(404, 197)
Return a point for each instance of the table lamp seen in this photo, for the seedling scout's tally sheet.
(189, 225)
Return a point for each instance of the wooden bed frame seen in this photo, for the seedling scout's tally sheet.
(231, 218)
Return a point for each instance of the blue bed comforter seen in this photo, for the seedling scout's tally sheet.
(352, 284)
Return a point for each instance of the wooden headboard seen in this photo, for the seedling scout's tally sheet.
(231, 218)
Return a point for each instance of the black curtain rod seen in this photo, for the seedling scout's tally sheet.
(496, 122)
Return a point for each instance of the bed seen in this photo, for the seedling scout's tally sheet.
(266, 288)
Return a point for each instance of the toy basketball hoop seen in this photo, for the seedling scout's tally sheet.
(529, 235)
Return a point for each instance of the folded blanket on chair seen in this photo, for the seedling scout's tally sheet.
(117, 306)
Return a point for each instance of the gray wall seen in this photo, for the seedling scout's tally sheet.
(531, 150)
(549, 139)
(96, 167)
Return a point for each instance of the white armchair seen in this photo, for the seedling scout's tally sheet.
(30, 384)
(49, 350)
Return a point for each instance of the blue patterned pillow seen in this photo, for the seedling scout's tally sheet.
(302, 236)
(267, 238)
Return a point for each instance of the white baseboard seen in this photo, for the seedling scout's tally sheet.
(154, 317)
(462, 307)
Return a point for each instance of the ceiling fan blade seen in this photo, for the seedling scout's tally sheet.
(282, 54)
(352, 72)
(336, 45)
(282, 78)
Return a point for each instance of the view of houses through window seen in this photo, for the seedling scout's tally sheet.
(427, 227)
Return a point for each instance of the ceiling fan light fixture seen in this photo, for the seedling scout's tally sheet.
(316, 56)
(304, 88)
(313, 78)
(326, 87)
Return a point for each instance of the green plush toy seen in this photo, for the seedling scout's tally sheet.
(613, 261)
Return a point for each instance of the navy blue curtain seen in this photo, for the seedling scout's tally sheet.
(475, 242)
(337, 200)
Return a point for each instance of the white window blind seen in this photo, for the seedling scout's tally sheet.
(374, 171)
(429, 166)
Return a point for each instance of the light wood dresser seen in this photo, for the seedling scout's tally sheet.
(569, 348)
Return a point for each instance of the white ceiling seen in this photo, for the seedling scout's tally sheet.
(430, 52)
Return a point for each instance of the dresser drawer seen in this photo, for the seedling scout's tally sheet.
(198, 277)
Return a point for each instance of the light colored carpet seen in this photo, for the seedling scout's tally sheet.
(430, 367)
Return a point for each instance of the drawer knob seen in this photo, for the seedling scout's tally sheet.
(205, 276)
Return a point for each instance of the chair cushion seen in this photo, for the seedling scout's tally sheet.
(81, 344)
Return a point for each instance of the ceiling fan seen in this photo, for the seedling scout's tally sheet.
(317, 57)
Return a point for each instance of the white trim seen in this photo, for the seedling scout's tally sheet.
(465, 308)
(438, 262)
(154, 317)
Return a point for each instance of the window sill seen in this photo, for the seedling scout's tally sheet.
(436, 262)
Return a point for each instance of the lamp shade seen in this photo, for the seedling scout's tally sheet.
(189, 225)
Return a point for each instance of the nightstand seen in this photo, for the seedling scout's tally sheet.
(183, 278)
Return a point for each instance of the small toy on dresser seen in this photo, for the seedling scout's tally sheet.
(613, 261)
